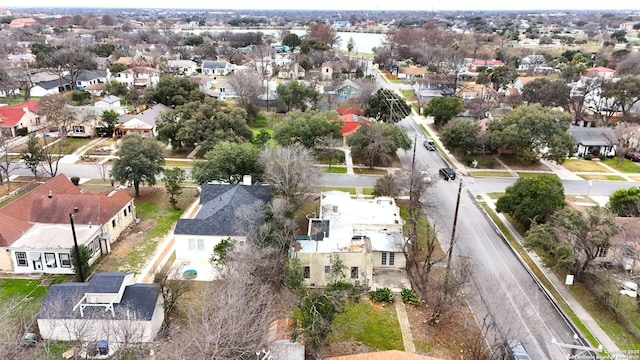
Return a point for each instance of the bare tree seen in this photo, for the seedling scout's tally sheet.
(54, 107)
(367, 88)
(248, 86)
(227, 319)
(291, 172)
(103, 169)
(172, 290)
(7, 165)
(628, 139)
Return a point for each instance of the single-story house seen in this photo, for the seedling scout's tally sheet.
(477, 91)
(91, 77)
(108, 101)
(143, 123)
(21, 116)
(50, 87)
(347, 90)
(216, 68)
(36, 234)
(110, 307)
(594, 140)
(365, 234)
(222, 90)
(182, 67)
(480, 65)
(215, 218)
(434, 85)
(351, 123)
(411, 72)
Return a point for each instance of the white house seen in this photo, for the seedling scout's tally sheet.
(182, 67)
(108, 101)
(35, 229)
(138, 76)
(365, 234)
(110, 307)
(20, 117)
(214, 219)
(216, 68)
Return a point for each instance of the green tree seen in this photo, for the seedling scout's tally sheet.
(33, 155)
(587, 234)
(204, 123)
(443, 109)
(625, 202)
(378, 143)
(309, 128)
(193, 40)
(554, 254)
(385, 105)
(624, 93)
(80, 97)
(548, 93)
(173, 179)
(531, 132)
(116, 88)
(117, 67)
(460, 136)
(261, 138)
(292, 41)
(532, 199)
(80, 262)
(103, 49)
(502, 76)
(221, 251)
(338, 270)
(296, 95)
(228, 162)
(138, 161)
(174, 91)
(71, 60)
(109, 120)
(317, 310)
(294, 274)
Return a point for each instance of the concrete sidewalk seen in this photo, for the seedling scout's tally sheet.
(558, 284)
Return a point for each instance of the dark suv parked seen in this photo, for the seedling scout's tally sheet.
(633, 156)
(429, 145)
(447, 174)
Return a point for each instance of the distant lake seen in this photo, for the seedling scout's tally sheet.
(363, 42)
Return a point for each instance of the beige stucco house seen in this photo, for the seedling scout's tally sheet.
(366, 234)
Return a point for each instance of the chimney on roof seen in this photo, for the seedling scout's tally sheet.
(246, 180)
(25, 109)
(50, 194)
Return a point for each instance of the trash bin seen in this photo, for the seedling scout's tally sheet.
(103, 347)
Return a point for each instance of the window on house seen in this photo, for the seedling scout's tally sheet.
(354, 272)
(125, 212)
(64, 260)
(113, 223)
(192, 244)
(200, 244)
(327, 269)
(392, 259)
(78, 129)
(307, 272)
(129, 208)
(37, 120)
(384, 258)
(50, 260)
(21, 258)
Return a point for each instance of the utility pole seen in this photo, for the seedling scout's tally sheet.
(75, 243)
(453, 238)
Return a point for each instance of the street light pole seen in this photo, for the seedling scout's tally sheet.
(453, 238)
(77, 249)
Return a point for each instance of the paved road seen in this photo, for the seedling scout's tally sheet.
(510, 294)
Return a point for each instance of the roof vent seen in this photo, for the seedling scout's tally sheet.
(50, 194)
(75, 209)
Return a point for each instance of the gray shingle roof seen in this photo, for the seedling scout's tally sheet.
(210, 64)
(594, 136)
(138, 299)
(219, 204)
(106, 282)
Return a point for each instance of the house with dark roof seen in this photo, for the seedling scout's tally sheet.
(594, 140)
(217, 216)
(91, 77)
(21, 116)
(50, 87)
(215, 68)
(434, 85)
(110, 307)
(36, 234)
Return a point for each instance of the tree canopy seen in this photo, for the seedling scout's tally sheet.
(310, 128)
(625, 202)
(532, 199)
(623, 93)
(204, 123)
(385, 105)
(531, 132)
(443, 109)
(460, 136)
(139, 160)
(296, 95)
(228, 162)
(174, 91)
(547, 92)
(378, 143)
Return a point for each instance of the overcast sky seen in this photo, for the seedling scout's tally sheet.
(341, 4)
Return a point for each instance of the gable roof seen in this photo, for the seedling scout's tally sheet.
(37, 207)
(352, 122)
(87, 75)
(594, 136)
(213, 64)
(11, 115)
(218, 206)
(148, 116)
(110, 99)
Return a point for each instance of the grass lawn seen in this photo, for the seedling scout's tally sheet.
(580, 165)
(601, 177)
(528, 174)
(627, 166)
(369, 324)
(367, 191)
(334, 170)
(489, 173)
(177, 163)
(350, 190)
(579, 199)
(495, 195)
(369, 171)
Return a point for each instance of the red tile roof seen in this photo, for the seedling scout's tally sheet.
(349, 110)
(37, 206)
(11, 115)
(351, 123)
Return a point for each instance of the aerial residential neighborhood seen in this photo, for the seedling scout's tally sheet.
(319, 184)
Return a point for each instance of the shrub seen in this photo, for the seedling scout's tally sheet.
(261, 122)
(75, 180)
(382, 295)
(409, 297)
(588, 157)
(603, 157)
